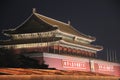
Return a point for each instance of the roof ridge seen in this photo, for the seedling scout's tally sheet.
(37, 14)
(50, 18)
(23, 22)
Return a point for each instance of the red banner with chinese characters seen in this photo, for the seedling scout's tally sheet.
(104, 68)
(79, 65)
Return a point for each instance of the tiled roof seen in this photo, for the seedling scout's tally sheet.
(63, 26)
(39, 23)
(31, 25)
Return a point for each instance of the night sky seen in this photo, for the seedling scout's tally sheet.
(98, 18)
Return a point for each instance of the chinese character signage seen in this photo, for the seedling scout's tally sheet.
(105, 67)
(75, 64)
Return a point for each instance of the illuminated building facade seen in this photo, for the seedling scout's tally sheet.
(43, 34)
(56, 43)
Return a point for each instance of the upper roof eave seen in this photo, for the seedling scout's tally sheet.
(15, 30)
(55, 23)
(9, 31)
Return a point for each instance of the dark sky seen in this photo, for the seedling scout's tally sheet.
(98, 18)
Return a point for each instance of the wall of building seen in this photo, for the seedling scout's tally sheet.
(63, 62)
(106, 67)
(67, 62)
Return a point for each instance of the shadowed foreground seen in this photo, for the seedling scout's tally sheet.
(44, 74)
(55, 77)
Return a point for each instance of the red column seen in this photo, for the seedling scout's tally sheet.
(69, 50)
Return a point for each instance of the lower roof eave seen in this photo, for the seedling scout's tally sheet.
(81, 37)
(95, 48)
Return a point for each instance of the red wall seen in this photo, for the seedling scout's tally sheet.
(106, 67)
(67, 64)
(63, 62)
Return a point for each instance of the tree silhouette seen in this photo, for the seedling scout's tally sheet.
(9, 59)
